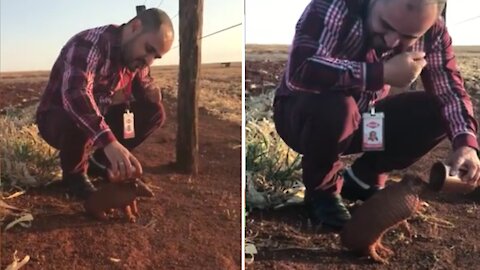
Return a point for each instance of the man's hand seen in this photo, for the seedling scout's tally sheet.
(404, 68)
(122, 162)
(465, 159)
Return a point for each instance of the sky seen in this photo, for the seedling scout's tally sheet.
(32, 32)
(33, 41)
(273, 21)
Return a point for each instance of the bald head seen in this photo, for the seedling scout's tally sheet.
(418, 5)
(146, 37)
(400, 23)
(152, 19)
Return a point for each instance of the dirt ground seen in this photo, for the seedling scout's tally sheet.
(447, 236)
(191, 223)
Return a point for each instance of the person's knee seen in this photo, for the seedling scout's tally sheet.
(336, 113)
(51, 127)
(328, 123)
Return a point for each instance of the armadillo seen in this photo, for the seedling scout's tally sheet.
(387, 208)
(117, 195)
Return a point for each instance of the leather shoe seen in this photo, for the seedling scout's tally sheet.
(79, 185)
(326, 209)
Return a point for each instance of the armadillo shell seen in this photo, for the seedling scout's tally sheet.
(375, 216)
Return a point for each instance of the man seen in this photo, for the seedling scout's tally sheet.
(100, 96)
(345, 56)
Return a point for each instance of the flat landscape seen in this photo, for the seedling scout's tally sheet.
(191, 223)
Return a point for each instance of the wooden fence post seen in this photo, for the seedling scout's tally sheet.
(191, 21)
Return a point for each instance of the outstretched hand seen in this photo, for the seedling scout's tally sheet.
(123, 164)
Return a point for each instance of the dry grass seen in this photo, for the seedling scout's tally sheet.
(273, 169)
(26, 160)
(24, 76)
(220, 88)
(273, 52)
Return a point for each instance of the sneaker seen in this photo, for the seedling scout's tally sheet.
(79, 185)
(327, 209)
(355, 189)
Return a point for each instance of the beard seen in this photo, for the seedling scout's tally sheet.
(377, 42)
(128, 59)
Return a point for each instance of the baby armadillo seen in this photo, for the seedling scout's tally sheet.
(387, 208)
(117, 195)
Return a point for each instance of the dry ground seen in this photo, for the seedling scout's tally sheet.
(286, 241)
(191, 223)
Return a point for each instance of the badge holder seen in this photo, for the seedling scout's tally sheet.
(373, 129)
(128, 124)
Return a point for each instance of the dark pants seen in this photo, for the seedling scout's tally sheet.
(61, 132)
(326, 126)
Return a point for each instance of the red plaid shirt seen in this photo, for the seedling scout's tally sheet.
(86, 75)
(329, 52)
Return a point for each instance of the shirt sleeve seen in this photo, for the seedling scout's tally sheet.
(442, 77)
(312, 66)
(81, 60)
(144, 87)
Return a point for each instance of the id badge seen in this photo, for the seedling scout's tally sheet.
(373, 139)
(128, 125)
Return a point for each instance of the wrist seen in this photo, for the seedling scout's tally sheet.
(465, 140)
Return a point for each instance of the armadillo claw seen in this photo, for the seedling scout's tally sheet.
(372, 251)
(383, 249)
(422, 207)
(132, 219)
(407, 230)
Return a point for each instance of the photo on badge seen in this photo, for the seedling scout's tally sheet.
(120, 134)
(361, 134)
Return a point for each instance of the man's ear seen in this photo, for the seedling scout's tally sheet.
(137, 25)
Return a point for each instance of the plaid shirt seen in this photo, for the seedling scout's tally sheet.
(329, 52)
(86, 75)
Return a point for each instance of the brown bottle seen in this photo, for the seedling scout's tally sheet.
(441, 180)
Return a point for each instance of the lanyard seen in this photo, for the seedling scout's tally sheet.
(371, 104)
(128, 93)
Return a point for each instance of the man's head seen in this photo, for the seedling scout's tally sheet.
(147, 36)
(393, 23)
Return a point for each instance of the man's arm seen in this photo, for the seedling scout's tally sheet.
(441, 76)
(80, 62)
(312, 67)
(144, 87)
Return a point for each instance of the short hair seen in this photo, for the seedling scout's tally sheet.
(152, 19)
